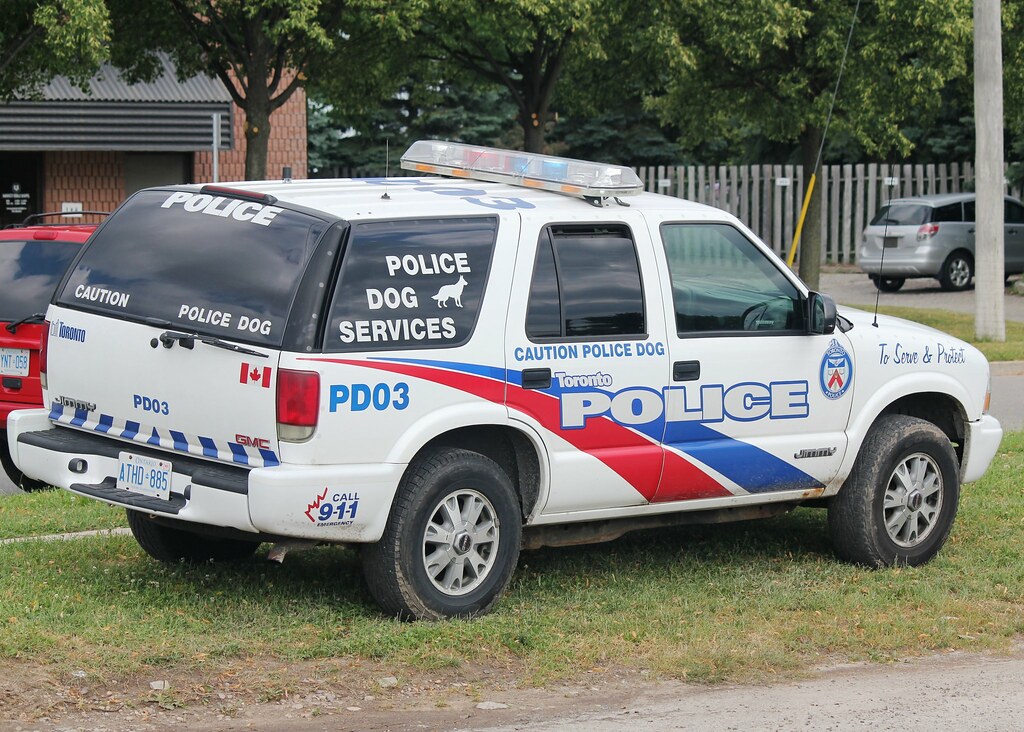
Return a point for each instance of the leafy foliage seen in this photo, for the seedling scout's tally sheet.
(40, 39)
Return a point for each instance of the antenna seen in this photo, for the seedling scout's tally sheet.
(891, 181)
(387, 166)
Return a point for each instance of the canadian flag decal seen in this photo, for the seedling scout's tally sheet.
(250, 374)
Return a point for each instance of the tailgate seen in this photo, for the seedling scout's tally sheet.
(106, 375)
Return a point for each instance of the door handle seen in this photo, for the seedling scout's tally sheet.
(970, 230)
(536, 378)
(686, 371)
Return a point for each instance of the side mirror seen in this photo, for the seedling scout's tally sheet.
(821, 314)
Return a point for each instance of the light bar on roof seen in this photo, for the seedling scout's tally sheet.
(562, 175)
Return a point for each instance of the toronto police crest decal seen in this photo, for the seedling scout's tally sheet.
(836, 372)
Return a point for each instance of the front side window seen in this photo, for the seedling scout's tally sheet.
(414, 283)
(1013, 212)
(586, 283)
(721, 282)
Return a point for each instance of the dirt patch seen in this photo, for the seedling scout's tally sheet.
(266, 694)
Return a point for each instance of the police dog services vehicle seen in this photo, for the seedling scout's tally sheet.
(529, 351)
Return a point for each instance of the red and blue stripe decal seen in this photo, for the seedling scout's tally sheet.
(635, 453)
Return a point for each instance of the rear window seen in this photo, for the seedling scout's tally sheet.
(217, 266)
(902, 214)
(29, 272)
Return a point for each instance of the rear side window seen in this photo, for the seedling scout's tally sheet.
(29, 272)
(586, 283)
(902, 214)
(411, 284)
(950, 213)
(1013, 212)
(217, 266)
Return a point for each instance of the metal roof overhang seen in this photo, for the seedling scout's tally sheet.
(151, 126)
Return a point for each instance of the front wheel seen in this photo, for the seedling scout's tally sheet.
(452, 541)
(898, 505)
(956, 272)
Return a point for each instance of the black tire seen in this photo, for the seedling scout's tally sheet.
(396, 566)
(167, 544)
(17, 477)
(889, 284)
(957, 271)
(920, 518)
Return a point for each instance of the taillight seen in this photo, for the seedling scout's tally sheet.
(43, 342)
(298, 404)
(927, 231)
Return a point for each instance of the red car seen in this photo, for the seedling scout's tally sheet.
(33, 257)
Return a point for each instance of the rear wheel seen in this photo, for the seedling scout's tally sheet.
(888, 284)
(898, 505)
(17, 477)
(957, 271)
(452, 540)
(167, 544)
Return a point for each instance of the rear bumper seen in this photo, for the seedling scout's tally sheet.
(983, 438)
(920, 261)
(332, 503)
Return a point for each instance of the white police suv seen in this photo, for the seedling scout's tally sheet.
(445, 370)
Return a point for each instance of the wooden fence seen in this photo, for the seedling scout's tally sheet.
(768, 198)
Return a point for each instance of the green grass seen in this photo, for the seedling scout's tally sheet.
(703, 603)
(54, 512)
(961, 325)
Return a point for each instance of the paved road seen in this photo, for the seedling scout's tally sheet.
(947, 692)
(856, 289)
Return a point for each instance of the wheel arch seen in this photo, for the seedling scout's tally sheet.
(514, 452)
(940, 400)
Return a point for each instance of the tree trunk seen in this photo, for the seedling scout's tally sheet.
(810, 237)
(257, 135)
(533, 131)
(989, 314)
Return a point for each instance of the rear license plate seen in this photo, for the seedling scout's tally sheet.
(890, 242)
(14, 361)
(146, 475)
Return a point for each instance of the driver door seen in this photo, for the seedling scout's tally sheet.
(754, 401)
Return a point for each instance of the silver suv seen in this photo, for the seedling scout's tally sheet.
(933, 236)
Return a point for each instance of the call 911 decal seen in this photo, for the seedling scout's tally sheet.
(411, 284)
(333, 509)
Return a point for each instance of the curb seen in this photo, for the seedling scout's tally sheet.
(67, 537)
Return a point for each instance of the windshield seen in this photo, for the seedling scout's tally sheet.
(902, 214)
(29, 272)
(209, 264)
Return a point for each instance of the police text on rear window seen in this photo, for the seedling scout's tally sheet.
(411, 284)
(203, 263)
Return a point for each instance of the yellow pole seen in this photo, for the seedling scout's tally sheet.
(800, 223)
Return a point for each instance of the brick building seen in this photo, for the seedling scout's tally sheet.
(89, 149)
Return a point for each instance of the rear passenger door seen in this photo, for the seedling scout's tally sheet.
(754, 403)
(586, 359)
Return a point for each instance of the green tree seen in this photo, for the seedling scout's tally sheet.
(262, 51)
(771, 66)
(40, 39)
(421, 107)
(522, 45)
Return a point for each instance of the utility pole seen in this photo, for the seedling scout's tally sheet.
(989, 315)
